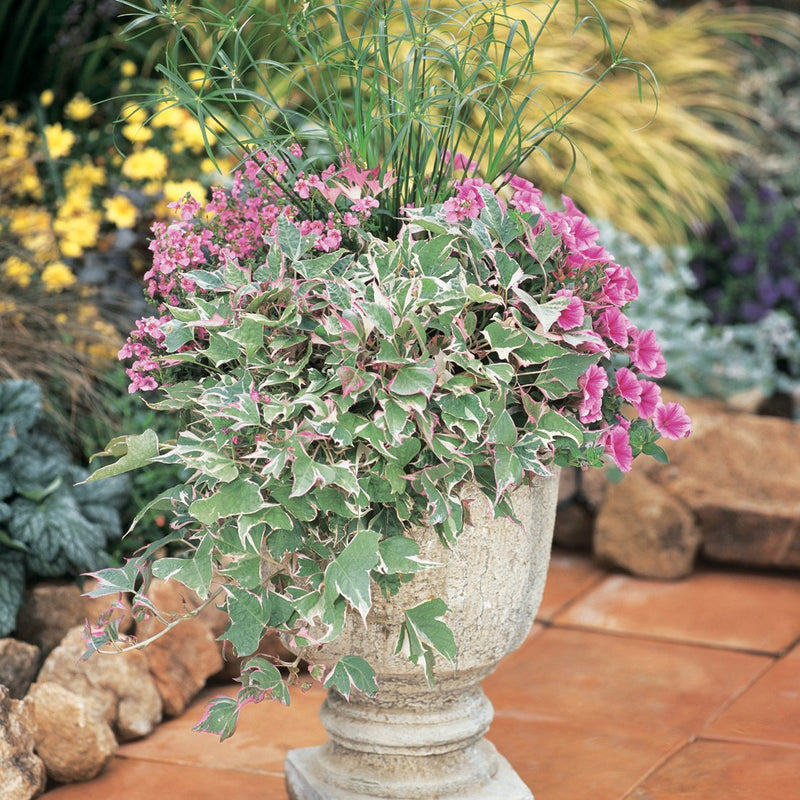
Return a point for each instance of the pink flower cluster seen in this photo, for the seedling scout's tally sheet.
(234, 227)
(599, 316)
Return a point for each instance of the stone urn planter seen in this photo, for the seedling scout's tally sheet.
(416, 741)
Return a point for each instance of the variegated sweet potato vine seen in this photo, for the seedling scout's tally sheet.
(338, 389)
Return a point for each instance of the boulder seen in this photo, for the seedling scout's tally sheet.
(49, 610)
(740, 476)
(19, 663)
(184, 658)
(119, 685)
(645, 530)
(72, 738)
(580, 496)
(22, 773)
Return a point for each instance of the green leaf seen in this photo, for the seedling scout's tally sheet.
(507, 469)
(423, 632)
(194, 572)
(400, 555)
(351, 672)
(656, 451)
(545, 244)
(348, 574)
(132, 452)
(502, 429)
(242, 496)
(546, 313)
(220, 717)
(265, 678)
(12, 589)
(116, 579)
(411, 380)
(504, 340)
(291, 242)
(560, 376)
(247, 622)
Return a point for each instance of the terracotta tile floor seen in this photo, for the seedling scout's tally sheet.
(626, 689)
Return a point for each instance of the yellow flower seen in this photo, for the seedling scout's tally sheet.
(62, 318)
(145, 164)
(133, 114)
(128, 69)
(168, 115)
(77, 224)
(18, 271)
(190, 133)
(177, 190)
(84, 175)
(46, 97)
(59, 141)
(197, 77)
(135, 132)
(207, 167)
(57, 276)
(79, 108)
(30, 184)
(120, 211)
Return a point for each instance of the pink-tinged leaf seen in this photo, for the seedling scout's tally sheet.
(353, 381)
(220, 717)
(413, 379)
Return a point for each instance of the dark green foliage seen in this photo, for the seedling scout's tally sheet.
(50, 525)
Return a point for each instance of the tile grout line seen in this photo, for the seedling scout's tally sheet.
(737, 694)
(645, 637)
(660, 763)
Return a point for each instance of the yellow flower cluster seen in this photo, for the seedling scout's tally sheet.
(65, 186)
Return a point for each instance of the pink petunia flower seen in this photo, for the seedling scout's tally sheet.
(649, 400)
(617, 446)
(593, 382)
(646, 354)
(614, 326)
(574, 314)
(619, 287)
(672, 421)
(628, 386)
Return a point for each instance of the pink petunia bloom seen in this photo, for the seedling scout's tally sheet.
(628, 386)
(617, 446)
(614, 326)
(593, 382)
(646, 354)
(619, 287)
(574, 314)
(649, 401)
(672, 421)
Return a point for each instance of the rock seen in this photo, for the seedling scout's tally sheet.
(574, 526)
(740, 475)
(72, 738)
(645, 530)
(580, 496)
(49, 610)
(22, 773)
(119, 685)
(182, 660)
(19, 663)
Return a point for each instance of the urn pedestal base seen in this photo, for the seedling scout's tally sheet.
(419, 746)
(309, 777)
